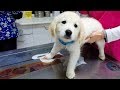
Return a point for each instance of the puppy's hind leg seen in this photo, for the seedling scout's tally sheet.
(101, 45)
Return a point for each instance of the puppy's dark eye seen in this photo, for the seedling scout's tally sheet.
(75, 25)
(63, 22)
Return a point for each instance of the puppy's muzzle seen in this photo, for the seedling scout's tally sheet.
(68, 33)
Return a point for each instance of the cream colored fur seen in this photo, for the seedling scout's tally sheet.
(85, 27)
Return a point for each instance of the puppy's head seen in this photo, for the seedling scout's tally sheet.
(66, 26)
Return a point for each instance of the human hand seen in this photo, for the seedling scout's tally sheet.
(95, 36)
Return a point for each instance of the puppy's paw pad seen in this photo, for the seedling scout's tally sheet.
(70, 75)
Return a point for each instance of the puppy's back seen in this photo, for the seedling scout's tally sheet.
(90, 25)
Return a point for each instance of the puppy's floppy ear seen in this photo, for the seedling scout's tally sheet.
(52, 27)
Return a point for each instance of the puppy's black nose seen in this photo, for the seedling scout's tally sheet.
(68, 33)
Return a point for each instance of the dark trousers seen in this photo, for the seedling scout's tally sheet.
(9, 44)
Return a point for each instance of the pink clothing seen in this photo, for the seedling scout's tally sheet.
(109, 19)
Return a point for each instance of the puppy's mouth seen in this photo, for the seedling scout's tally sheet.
(67, 37)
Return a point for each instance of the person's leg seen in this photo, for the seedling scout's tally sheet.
(9, 44)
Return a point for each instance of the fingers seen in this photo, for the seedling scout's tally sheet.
(93, 37)
(92, 34)
(90, 40)
(87, 39)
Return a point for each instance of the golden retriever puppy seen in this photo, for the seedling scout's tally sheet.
(70, 31)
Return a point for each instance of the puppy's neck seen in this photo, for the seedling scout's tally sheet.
(66, 43)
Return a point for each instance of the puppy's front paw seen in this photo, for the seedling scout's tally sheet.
(49, 56)
(70, 75)
(102, 57)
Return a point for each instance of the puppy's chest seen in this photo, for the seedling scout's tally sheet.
(73, 47)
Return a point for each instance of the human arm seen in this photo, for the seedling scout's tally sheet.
(109, 35)
(113, 34)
